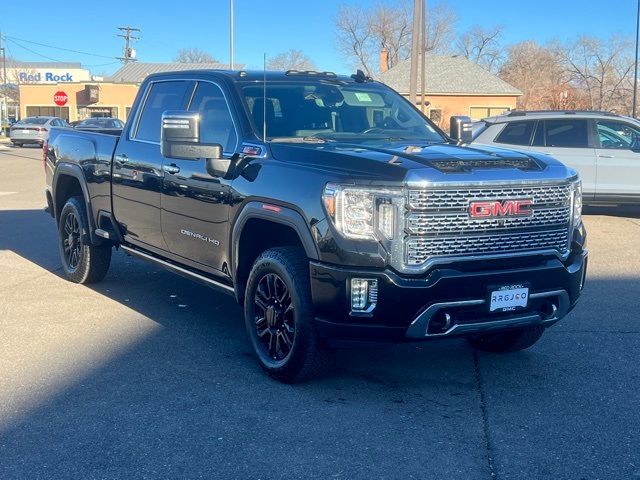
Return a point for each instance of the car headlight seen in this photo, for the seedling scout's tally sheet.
(577, 203)
(363, 213)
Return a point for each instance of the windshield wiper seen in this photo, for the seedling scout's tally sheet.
(309, 139)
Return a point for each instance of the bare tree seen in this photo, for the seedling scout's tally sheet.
(538, 72)
(362, 33)
(602, 70)
(483, 46)
(194, 55)
(291, 60)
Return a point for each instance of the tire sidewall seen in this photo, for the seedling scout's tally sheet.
(73, 206)
(289, 366)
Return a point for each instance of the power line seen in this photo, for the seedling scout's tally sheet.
(60, 61)
(59, 48)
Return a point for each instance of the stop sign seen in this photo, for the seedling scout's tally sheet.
(60, 98)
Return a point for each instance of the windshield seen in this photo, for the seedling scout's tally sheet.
(316, 110)
(33, 121)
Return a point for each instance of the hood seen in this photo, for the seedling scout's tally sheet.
(410, 163)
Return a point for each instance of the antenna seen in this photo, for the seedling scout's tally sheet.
(264, 99)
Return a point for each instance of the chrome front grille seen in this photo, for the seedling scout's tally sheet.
(421, 223)
(459, 198)
(438, 224)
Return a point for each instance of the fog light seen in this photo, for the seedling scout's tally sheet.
(364, 294)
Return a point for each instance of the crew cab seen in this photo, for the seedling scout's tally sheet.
(330, 207)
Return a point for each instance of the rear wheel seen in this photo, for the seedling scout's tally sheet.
(279, 317)
(507, 341)
(82, 262)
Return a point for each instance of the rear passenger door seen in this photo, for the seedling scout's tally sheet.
(618, 161)
(569, 140)
(195, 203)
(137, 164)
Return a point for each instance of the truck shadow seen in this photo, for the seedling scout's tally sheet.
(188, 399)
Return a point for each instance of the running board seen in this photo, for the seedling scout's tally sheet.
(209, 282)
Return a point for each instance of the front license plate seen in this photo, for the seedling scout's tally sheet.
(508, 298)
(24, 131)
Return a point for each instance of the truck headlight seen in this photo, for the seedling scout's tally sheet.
(363, 213)
(577, 203)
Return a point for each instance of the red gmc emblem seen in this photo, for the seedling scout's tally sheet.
(500, 208)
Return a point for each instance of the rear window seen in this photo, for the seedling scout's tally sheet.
(517, 133)
(33, 121)
(567, 133)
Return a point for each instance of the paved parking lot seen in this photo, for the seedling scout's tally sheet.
(148, 375)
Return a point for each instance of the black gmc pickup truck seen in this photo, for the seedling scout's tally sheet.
(330, 207)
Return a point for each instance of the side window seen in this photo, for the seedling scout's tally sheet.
(216, 125)
(163, 96)
(614, 134)
(567, 133)
(516, 133)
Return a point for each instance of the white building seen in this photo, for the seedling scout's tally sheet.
(45, 72)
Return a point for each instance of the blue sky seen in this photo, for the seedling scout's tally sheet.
(271, 26)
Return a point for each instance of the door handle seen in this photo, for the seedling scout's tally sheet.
(606, 156)
(171, 168)
(121, 159)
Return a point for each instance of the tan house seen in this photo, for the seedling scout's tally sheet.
(454, 86)
(74, 100)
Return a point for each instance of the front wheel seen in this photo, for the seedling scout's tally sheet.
(82, 262)
(507, 341)
(279, 317)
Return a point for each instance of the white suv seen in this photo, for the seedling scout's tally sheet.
(603, 147)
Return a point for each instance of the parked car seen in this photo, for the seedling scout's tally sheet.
(99, 123)
(603, 147)
(34, 130)
(329, 207)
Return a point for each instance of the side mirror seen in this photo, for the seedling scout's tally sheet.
(460, 129)
(180, 138)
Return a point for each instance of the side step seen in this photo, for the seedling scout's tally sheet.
(209, 282)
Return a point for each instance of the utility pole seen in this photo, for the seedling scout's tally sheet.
(423, 53)
(415, 46)
(5, 105)
(129, 53)
(635, 63)
(231, 62)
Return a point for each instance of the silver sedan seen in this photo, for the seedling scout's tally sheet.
(34, 129)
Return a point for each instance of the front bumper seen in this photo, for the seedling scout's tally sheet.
(410, 309)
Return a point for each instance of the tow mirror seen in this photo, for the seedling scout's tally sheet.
(460, 129)
(180, 138)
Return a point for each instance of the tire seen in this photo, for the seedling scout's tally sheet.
(82, 262)
(279, 317)
(507, 341)
(16, 144)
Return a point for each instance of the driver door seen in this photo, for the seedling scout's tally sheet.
(618, 161)
(195, 203)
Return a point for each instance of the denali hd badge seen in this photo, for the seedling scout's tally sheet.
(500, 208)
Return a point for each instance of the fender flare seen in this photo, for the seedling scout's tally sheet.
(72, 170)
(285, 216)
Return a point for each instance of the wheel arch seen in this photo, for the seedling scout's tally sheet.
(69, 181)
(260, 226)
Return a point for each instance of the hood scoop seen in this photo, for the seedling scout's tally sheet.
(458, 165)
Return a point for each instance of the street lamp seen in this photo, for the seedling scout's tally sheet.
(231, 62)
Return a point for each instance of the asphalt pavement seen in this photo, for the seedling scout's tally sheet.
(147, 375)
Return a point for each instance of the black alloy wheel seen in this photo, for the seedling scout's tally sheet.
(72, 241)
(274, 317)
